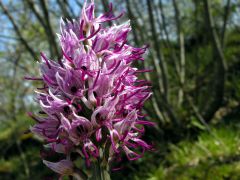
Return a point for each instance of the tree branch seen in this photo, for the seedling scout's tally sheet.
(157, 49)
(225, 19)
(18, 32)
(52, 41)
(182, 51)
(219, 77)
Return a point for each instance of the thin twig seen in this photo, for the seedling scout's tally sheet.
(18, 32)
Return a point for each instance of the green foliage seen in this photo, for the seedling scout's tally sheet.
(214, 155)
(20, 151)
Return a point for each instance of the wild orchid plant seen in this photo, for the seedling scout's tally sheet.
(91, 99)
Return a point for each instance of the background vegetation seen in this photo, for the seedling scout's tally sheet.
(195, 57)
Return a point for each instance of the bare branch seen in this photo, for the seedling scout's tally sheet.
(158, 49)
(63, 6)
(219, 78)
(225, 19)
(18, 32)
(49, 30)
(182, 51)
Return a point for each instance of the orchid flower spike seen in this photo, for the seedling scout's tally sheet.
(92, 99)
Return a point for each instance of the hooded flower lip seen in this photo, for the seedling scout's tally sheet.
(92, 96)
(71, 84)
(81, 129)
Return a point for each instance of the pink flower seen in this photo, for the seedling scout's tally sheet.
(92, 96)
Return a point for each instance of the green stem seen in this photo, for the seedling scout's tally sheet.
(99, 172)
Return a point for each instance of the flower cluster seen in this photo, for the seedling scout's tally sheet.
(91, 99)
